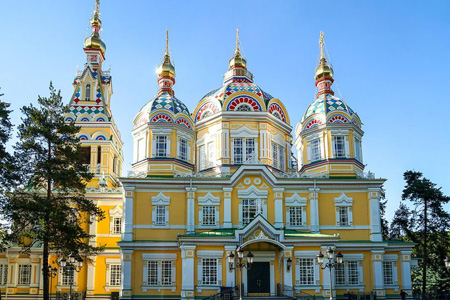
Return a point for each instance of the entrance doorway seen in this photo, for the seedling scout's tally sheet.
(258, 279)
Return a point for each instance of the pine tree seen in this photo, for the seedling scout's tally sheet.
(51, 209)
(427, 224)
(384, 223)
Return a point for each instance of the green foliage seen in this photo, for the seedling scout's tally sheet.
(384, 222)
(427, 224)
(51, 209)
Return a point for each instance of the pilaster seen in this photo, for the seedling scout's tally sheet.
(90, 284)
(377, 266)
(127, 234)
(227, 207)
(190, 195)
(405, 260)
(314, 209)
(278, 195)
(288, 273)
(375, 218)
(126, 290)
(188, 279)
(230, 274)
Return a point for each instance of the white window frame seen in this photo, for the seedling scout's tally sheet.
(183, 154)
(202, 157)
(4, 268)
(160, 259)
(391, 259)
(140, 155)
(114, 214)
(278, 156)
(252, 193)
(313, 154)
(310, 255)
(161, 146)
(21, 279)
(344, 135)
(295, 201)
(208, 255)
(358, 148)
(61, 277)
(211, 154)
(209, 200)
(353, 259)
(246, 156)
(344, 202)
(109, 263)
(158, 202)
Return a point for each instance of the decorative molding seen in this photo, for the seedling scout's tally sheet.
(160, 199)
(209, 254)
(295, 200)
(244, 132)
(343, 200)
(159, 256)
(208, 199)
(251, 193)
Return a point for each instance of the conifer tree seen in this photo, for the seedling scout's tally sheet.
(427, 224)
(51, 209)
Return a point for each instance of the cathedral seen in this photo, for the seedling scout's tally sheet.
(216, 198)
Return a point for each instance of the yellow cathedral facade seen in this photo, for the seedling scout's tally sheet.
(220, 178)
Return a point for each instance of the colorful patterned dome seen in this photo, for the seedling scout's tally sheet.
(328, 109)
(165, 101)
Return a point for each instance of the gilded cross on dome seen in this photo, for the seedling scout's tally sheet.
(322, 56)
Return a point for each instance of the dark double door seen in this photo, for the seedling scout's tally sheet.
(258, 278)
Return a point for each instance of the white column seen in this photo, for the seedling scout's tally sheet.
(314, 209)
(187, 271)
(375, 218)
(377, 266)
(231, 275)
(190, 194)
(227, 207)
(91, 276)
(272, 278)
(127, 232)
(288, 273)
(125, 289)
(405, 259)
(264, 144)
(278, 192)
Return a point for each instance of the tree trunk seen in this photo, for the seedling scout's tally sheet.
(45, 269)
(425, 250)
(45, 252)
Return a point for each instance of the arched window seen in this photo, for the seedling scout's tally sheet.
(243, 107)
(88, 92)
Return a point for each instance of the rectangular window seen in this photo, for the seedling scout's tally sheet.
(152, 273)
(275, 158)
(115, 273)
(117, 225)
(315, 150)
(183, 150)
(339, 146)
(358, 150)
(202, 155)
(353, 275)
(211, 155)
(244, 150)
(166, 273)
(388, 273)
(24, 275)
(115, 164)
(281, 157)
(140, 150)
(209, 268)
(161, 146)
(3, 274)
(339, 273)
(278, 156)
(306, 270)
(209, 215)
(249, 209)
(238, 151)
(343, 216)
(99, 155)
(66, 277)
(85, 153)
(296, 216)
(160, 215)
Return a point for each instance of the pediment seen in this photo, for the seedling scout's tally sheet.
(116, 211)
(160, 199)
(295, 200)
(259, 228)
(343, 200)
(252, 193)
(209, 199)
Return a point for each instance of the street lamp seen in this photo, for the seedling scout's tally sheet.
(52, 272)
(73, 265)
(240, 264)
(447, 263)
(332, 263)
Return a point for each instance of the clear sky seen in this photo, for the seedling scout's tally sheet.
(390, 60)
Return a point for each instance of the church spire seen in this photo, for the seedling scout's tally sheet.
(324, 73)
(94, 47)
(166, 71)
(237, 61)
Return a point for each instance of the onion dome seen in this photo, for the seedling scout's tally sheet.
(94, 41)
(165, 107)
(239, 93)
(326, 108)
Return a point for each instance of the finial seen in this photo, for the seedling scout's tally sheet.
(167, 41)
(237, 41)
(322, 55)
(97, 5)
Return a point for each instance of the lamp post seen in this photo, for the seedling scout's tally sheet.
(240, 264)
(73, 265)
(52, 272)
(332, 263)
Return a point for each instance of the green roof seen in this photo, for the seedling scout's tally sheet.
(306, 234)
(212, 233)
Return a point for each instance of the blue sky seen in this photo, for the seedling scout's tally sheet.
(390, 60)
